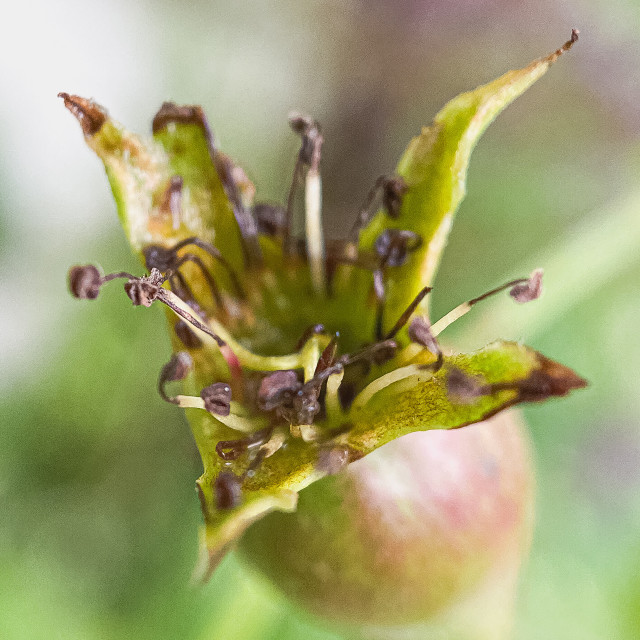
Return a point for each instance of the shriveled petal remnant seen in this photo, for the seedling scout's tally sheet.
(296, 357)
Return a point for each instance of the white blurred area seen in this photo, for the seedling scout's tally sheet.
(54, 193)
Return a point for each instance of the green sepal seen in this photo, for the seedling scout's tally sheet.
(420, 402)
(140, 170)
(434, 167)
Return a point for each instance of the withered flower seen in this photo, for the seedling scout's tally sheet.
(272, 412)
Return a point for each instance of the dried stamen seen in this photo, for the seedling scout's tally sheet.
(176, 369)
(213, 286)
(377, 353)
(522, 290)
(407, 313)
(217, 399)
(232, 177)
(293, 401)
(236, 419)
(420, 333)
(85, 282)
(177, 306)
(391, 190)
(308, 162)
(529, 290)
(166, 259)
(276, 388)
(393, 247)
(145, 290)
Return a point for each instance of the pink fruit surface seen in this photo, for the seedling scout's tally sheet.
(409, 531)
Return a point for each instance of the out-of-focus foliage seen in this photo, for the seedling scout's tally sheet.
(89, 547)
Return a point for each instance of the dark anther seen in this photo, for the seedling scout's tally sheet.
(313, 330)
(217, 398)
(90, 115)
(293, 401)
(394, 245)
(407, 313)
(227, 489)
(380, 292)
(277, 388)
(270, 218)
(332, 460)
(528, 290)
(463, 388)
(521, 289)
(304, 407)
(384, 352)
(141, 293)
(84, 282)
(393, 190)
(188, 338)
(176, 369)
(158, 257)
(309, 130)
(144, 291)
(347, 393)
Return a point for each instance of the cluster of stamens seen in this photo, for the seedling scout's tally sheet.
(299, 395)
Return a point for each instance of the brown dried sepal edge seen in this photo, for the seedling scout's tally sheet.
(89, 114)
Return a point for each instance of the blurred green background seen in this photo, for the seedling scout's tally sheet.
(98, 514)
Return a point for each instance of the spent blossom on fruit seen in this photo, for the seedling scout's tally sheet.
(297, 356)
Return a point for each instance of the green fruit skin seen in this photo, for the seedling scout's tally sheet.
(417, 528)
